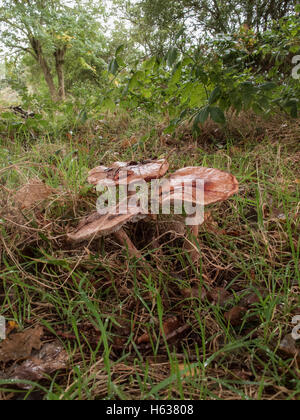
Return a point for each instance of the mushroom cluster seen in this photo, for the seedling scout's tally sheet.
(215, 185)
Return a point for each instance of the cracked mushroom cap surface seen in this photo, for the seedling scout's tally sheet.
(98, 225)
(218, 185)
(135, 171)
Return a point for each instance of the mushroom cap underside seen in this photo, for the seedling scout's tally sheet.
(99, 225)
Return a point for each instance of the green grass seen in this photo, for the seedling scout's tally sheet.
(98, 302)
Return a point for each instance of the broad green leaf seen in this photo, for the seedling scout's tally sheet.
(197, 96)
(120, 49)
(292, 105)
(202, 116)
(215, 95)
(176, 76)
(217, 115)
(113, 67)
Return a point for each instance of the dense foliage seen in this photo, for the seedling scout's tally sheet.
(240, 71)
(246, 60)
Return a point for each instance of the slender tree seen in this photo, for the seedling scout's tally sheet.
(48, 30)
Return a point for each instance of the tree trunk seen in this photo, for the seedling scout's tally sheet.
(59, 63)
(36, 45)
(250, 13)
(49, 79)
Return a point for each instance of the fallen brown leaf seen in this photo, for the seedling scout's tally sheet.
(144, 339)
(169, 326)
(288, 346)
(19, 346)
(218, 296)
(235, 315)
(51, 358)
(194, 292)
(32, 193)
(252, 298)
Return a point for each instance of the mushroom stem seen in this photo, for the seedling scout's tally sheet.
(123, 239)
(190, 245)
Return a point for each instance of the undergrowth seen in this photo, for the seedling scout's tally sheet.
(98, 302)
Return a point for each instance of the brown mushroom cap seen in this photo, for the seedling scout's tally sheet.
(98, 225)
(146, 170)
(218, 185)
